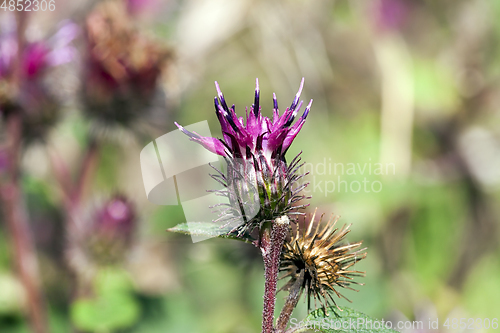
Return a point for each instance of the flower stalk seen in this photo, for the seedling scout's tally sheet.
(291, 302)
(11, 197)
(271, 243)
(17, 222)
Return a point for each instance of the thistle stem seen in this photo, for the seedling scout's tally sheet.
(291, 302)
(17, 222)
(12, 199)
(271, 243)
(89, 164)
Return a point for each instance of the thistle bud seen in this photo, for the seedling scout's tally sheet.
(117, 218)
(113, 229)
(258, 182)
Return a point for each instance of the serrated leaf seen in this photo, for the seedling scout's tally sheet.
(346, 321)
(209, 230)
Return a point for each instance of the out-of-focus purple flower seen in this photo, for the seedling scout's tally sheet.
(258, 179)
(137, 7)
(37, 55)
(106, 233)
(390, 14)
(27, 94)
(117, 218)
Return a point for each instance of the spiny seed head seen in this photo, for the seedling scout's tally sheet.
(258, 181)
(318, 261)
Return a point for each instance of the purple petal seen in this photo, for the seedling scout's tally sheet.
(297, 96)
(306, 111)
(212, 144)
(61, 56)
(35, 58)
(8, 52)
(221, 97)
(67, 32)
(256, 108)
(292, 133)
(276, 139)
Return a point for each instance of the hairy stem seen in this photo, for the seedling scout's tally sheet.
(271, 243)
(291, 302)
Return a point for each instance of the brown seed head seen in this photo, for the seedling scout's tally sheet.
(318, 261)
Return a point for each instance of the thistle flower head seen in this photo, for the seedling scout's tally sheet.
(259, 136)
(318, 261)
(258, 181)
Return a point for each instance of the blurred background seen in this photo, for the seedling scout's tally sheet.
(403, 141)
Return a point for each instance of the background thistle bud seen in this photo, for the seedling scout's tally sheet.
(112, 230)
(258, 181)
(122, 67)
(117, 218)
(318, 261)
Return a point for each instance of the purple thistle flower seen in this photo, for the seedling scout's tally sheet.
(39, 55)
(257, 173)
(390, 14)
(32, 99)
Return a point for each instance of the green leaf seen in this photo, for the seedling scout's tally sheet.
(345, 321)
(112, 307)
(209, 230)
(105, 313)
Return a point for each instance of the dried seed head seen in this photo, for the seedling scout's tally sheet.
(318, 261)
